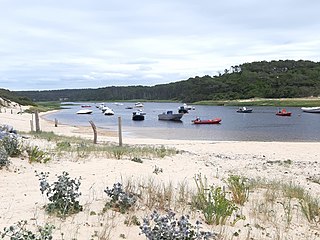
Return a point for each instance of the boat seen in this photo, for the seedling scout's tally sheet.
(244, 110)
(208, 121)
(107, 111)
(188, 107)
(170, 116)
(138, 104)
(84, 111)
(283, 112)
(138, 116)
(183, 109)
(129, 107)
(86, 106)
(311, 109)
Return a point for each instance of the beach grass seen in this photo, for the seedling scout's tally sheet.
(84, 147)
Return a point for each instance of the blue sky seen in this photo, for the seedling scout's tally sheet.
(58, 44)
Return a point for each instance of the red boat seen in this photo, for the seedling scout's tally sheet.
(283, 112)
(209, 121)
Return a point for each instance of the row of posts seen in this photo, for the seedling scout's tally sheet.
(95, 134)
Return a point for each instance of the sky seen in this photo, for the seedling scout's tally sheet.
(67, 44)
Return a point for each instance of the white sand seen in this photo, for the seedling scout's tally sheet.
(22, 200)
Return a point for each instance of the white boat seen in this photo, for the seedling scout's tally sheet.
(170, 116)
(186, 106)
(311, 109)
(244, 110)
(138, 116)
(138, 104)
(84, 111)
(108, 111)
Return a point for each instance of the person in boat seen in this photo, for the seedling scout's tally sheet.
(197, 119)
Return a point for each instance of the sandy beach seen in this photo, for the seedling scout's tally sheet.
(296, 163)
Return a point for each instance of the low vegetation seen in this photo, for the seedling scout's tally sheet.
(82, 148)
(63, 194)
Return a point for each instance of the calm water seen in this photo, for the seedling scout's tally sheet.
(261, 125)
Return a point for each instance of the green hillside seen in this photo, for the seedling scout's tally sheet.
(275, 79)
(13, 97)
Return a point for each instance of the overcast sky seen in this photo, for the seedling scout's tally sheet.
(58, 44)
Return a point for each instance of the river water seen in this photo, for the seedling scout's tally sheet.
(260, 125)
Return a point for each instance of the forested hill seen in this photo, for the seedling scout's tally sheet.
(9, 96)
(275, 79)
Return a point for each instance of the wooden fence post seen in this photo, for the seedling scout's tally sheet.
(94, 132)
(36, 117)
(120, 131)
(56, 122)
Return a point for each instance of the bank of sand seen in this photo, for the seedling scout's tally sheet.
(285, 162)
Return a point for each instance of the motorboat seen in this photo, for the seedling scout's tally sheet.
(138, 116)
(283, 112)
(86, 106)
(244, 110)
(84, 111)
(311, 109)
(208, 121)
(170, 116)
(183, 109)
(188, 107)
(107, 111)
(138, 104)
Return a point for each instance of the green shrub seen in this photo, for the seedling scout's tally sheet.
(239, 188)
(62, 194)
(20, 232)
(12, 145)
(121, 201)
(37, 155)
(213, 203)
(168, 227)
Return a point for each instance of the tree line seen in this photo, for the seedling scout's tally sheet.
(274, 79)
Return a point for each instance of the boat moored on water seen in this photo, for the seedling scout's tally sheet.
(170, 116)
(311, 109)
(84, 111)
(138, 104)
(244, 110)
(207, 121)
(108, 111)
(284, 113)
(138, 116)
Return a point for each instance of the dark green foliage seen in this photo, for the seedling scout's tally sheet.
(275, 79)
(12, 96)
(20, 232)
(62, 194)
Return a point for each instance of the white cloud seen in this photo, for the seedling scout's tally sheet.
(88, 44)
